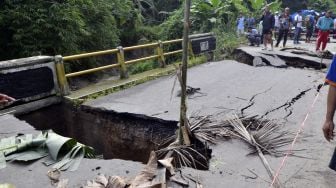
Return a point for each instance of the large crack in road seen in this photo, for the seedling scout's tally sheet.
(288, 105)
(276, 60)
(252, 102)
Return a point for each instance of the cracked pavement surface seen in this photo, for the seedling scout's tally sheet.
(283, 94)
(280, 94)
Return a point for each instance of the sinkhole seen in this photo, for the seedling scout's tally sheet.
(114, 135)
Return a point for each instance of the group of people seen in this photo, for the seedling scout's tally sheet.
(280, 25)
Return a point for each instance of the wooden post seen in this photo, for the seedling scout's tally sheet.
(62, 81)
(121, 62)
(191, 53)
(183, 111)
(161, 57)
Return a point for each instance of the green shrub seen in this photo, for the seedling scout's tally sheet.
(227, 41)
(142, 67)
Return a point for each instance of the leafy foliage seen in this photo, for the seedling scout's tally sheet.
(318, 5)
(207, 15)
(172, 28)
(142, 67)
(60, 27)
(33, 27)
(322, 5)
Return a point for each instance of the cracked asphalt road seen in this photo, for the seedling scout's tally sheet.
(283, 95)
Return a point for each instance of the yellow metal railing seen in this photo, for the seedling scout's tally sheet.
(121, 57)
(121, 64)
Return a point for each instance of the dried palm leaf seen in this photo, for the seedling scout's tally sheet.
(242, 132)
(207, 129)
(184, 156)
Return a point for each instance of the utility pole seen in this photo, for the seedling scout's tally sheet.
(184, 126)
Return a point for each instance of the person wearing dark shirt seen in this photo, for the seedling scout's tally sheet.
(310, 23)
(285, 25)
(250, 22)
(268, 26)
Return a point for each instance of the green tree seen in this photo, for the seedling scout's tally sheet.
(32, 27)
(322, 5)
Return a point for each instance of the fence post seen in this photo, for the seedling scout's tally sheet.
(121, 62)
(161, 57)
(62, 80)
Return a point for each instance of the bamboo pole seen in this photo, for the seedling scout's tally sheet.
(184, 136)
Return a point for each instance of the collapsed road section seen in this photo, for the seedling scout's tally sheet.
(291, 57)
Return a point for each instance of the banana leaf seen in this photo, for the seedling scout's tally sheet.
(56, 142)
(65, 153)
(28, 155)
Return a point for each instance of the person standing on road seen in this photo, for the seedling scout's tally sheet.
(276, 24)
(298, 27)
(310, 22)
(328, 126)
(240, 25)
(285, 24)
(325, 24)
(268, 26)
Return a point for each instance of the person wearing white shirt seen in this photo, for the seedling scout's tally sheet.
(240, 25)
(276, 23)
(298, 27)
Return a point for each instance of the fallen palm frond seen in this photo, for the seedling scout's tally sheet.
(271, 138)
(204, 129)
(268, 136)
(184, 156)
(65, 153)
(267, 142)
(207, 129)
